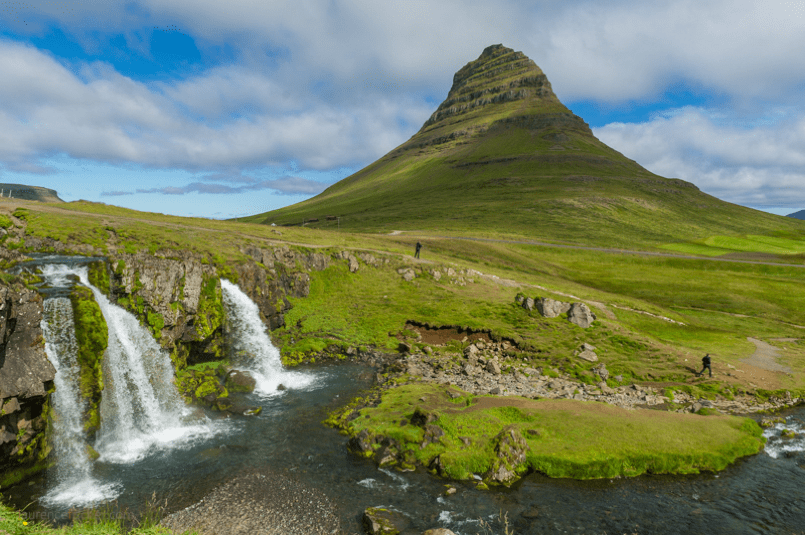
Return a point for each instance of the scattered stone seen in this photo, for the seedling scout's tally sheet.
(437, 275)
(439, 531)
(281, 387)
(404, 347)
(581, 315)
(407, 273)
(770, 421)
(586, 352)
(493, 367)
(601, 371)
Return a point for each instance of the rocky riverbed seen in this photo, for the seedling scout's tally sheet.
(486, 367)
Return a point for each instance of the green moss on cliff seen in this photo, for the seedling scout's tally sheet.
(210, 311)
(92, 336)
(99, 276)
(157, 322)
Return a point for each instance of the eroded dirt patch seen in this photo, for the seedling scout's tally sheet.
(438, 336)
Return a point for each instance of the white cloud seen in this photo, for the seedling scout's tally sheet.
(101, 115)
(758, 166)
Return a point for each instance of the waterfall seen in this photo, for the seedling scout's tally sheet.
(76, 485)
(141, 410)
(251, 347)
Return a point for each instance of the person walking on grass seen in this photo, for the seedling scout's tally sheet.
(705, 366)
(418, 248)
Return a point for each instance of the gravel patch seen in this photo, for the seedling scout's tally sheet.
(259, 503)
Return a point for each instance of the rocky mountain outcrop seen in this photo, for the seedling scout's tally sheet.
(577, 313)
(29, 193)
(26, 381)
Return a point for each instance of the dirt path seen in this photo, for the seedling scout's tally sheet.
(765, 357)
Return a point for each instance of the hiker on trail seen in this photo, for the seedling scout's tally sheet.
(705, 365)
(418, 248)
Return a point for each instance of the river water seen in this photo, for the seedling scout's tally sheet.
(761, 494)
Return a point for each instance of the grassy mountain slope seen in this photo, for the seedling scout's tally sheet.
(503, 156)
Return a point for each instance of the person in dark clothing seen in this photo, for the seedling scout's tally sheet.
(705, 365)
(418, 248)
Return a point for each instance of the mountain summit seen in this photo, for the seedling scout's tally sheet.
(503, 156)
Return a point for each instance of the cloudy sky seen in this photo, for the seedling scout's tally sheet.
(221, 109)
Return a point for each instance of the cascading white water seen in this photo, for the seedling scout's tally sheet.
(251, 346)
(76, 485)
(141, 411)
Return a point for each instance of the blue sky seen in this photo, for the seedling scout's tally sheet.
(223, 109)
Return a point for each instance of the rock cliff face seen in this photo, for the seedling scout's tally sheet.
(26, 381)
(178, 293)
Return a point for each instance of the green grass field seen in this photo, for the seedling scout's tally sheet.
(566, 438)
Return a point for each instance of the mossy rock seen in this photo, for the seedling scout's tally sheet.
(238, 381)
(380, 521)
(92, 337)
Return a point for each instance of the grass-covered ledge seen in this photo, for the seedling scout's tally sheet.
(460, 435)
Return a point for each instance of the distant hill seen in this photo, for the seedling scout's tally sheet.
(29, 193)
(503, 156)
(797, 215)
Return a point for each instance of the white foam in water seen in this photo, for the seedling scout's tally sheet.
(252, 347)
(369, 483)
(141, 411)
(400, 480)
(776, 445)
(76, 486)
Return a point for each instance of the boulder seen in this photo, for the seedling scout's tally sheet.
(493, 367)
(510, 456)
(380, 521)
(439, 531)
(528, 304)
(581, 315)
(587, 352)
(362, 443)
(240, 381)
(551, 308)
(353, 264)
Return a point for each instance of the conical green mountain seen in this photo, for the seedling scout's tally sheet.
(503, 156)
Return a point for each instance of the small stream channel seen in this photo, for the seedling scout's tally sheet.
(761, 494)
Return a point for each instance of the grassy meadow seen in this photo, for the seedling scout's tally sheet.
(715, 305)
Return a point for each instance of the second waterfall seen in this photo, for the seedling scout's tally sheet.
(250, 346)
